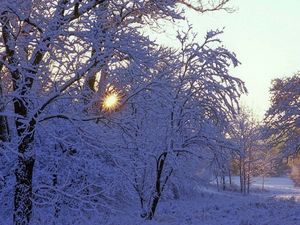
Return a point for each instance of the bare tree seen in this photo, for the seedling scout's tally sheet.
(245, 132)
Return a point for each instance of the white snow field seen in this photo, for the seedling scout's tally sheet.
(279, 204)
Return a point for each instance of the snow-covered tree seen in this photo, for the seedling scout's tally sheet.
(283, 117)
(245, 132)
(178, 124)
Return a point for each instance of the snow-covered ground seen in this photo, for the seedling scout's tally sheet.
(278, 205)
(274, 184)
(276, 187)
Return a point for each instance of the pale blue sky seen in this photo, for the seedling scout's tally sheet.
(265, 35)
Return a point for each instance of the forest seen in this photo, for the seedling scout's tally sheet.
(101, 123)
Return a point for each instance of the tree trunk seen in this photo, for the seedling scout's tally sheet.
(229, 176)
(158, 188)
(244, 177)
(154, 205)
(249, 171)
(248, 176)
(218, 185)
(241, 176)
(248, 183)
(23, 187)
(223, 182)
(4, 131)
(25, 165)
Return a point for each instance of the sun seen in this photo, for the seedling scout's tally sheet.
(111, 101)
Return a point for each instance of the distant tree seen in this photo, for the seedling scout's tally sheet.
(283, 117)
(264, 162)
(244, 131)
(295, 171)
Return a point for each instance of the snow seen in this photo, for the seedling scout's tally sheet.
(65, 159)
(278, 205)
(280, 188)
(272, 184)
